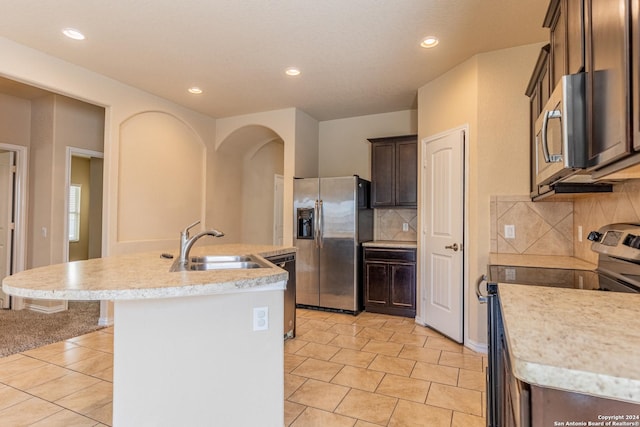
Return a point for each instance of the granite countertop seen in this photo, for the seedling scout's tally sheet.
(582, 341)
(390, 244)
(146, 275)
(545, 261)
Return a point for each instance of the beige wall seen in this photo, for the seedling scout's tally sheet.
(344, 148)
(122, 102)
(487, 93)
(260, 168)
(15, 120)
(299, 133)
(40, 189)
(160, 185)
(57, 123)
(307, 147)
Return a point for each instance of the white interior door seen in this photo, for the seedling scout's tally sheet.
(7, 170)
(443, 233)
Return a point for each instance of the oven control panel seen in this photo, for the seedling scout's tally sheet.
(617, 240)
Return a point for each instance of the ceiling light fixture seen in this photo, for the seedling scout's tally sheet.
(72, 33)
(292, 71)
(429, 42)
(195, 90)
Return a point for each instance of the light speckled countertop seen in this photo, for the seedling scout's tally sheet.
(546, 261)
(390, 244)
(145, 275)
(576, 340)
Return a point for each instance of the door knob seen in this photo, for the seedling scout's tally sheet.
(454, 247)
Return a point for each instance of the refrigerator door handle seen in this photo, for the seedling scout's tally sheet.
(316, 229)
(320, 225)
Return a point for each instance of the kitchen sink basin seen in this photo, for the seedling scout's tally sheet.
(232, 265)
(220, 262)
(220, 259)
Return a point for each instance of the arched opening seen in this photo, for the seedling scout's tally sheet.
(250, 160)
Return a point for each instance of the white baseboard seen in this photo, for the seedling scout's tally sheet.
(62, 306)
(476, 346)
(470, 344)
(105, 321)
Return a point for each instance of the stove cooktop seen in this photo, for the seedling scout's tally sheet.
(558, 278)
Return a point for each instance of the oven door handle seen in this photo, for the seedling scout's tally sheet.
(481, 298)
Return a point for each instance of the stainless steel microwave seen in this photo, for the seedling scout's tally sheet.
(560, 132)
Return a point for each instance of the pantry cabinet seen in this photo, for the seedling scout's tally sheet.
(394, 171)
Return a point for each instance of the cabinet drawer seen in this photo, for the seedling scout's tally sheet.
(408, 255)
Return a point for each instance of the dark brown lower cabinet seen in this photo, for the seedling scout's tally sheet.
(390, 281)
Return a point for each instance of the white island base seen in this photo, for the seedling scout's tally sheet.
(196, 361)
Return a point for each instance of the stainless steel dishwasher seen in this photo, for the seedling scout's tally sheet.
(288, 263)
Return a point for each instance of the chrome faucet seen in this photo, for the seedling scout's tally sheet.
(186, 242)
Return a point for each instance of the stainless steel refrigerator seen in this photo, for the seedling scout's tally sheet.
(332, 219)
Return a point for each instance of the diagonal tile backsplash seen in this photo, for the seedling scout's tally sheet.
(387, 224)
(541, 228)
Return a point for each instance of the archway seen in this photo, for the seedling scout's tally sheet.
(248, 161)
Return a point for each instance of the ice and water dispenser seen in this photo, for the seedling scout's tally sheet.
(305, 223)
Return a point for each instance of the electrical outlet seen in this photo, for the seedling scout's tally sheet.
(405, 226)
(510, 274)
(260, 318)
(579, 233)
(510, 231)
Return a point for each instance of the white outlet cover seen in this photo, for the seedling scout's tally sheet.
(510, 231)
(260, 318)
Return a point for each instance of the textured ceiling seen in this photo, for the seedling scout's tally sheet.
(357, 57)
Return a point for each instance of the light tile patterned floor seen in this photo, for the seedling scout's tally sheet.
(341, 370)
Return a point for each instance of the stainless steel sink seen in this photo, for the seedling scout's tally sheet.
(220, 258)
(224, 265)
(219, 262)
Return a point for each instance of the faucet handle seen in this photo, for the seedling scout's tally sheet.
(189, 227)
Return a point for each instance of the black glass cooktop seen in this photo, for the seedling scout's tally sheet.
(557, 278)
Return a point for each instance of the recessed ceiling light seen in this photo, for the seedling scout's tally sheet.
(195, 90)
(292, 71)
(429, 42)
(72, 33)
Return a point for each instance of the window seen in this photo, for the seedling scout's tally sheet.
(74, 212)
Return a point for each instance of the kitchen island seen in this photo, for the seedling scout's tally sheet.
(574, 340)
(186, 348)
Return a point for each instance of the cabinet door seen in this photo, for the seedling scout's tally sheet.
(382, 174)
(558, 45)
(403, 286)
(607, 65)
(574, 11)
(376, 283)
(538, 93)
(407, 174)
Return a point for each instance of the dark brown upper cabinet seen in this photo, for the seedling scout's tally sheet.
(394, 171)
(538, 92)
(565, 20)
(608, 85)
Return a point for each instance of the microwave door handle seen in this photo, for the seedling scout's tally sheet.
(545, 142)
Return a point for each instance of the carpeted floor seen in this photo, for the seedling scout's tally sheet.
(23, 330)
